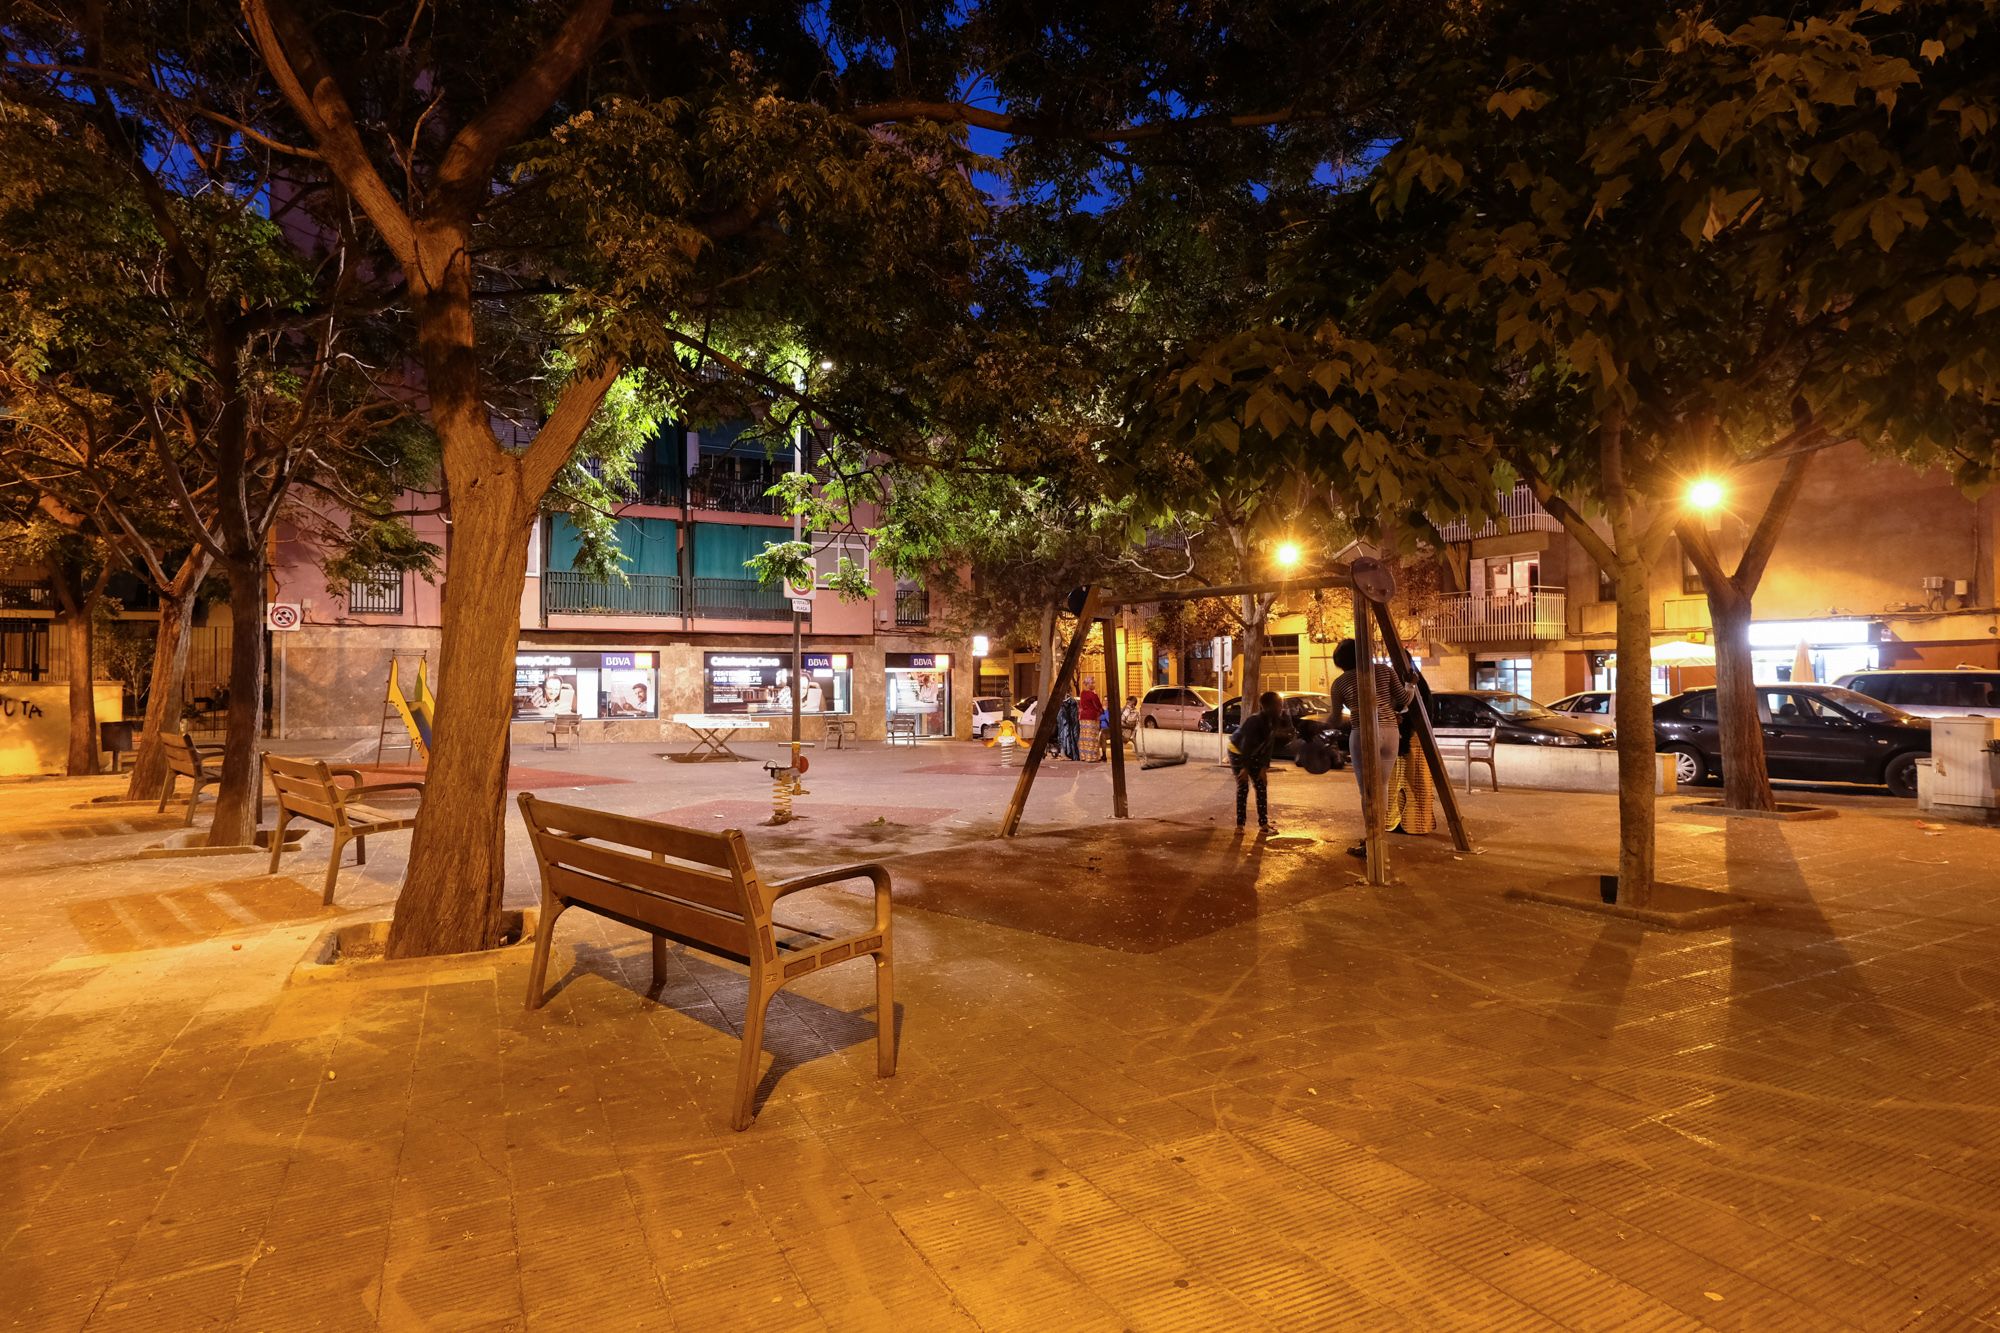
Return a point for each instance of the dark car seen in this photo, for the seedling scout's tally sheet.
(1812, 733)
(1512, 719)
(1297, 706)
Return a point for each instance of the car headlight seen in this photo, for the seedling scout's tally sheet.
(1557, 738)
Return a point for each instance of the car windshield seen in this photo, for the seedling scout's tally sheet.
(1206, 696)
(1871, 710)
(1309, 703)
(1515, 705)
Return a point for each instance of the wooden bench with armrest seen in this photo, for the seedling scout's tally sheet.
(337, 798)
(701, 890)
(199, 764)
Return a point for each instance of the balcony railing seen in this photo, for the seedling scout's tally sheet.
(653, 482)
(739, 599)
(735, 485)
(34, 596)
(567, 592)
(913, 606)
(1477, 617)
(1520, 511)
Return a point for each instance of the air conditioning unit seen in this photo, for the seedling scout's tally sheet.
(1965, 762)
(1933, 583)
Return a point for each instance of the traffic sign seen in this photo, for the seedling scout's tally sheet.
(283, 616)
(802, 605)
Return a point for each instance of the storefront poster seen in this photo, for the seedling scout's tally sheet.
(608, 685)
(762, 683)
(918, 686)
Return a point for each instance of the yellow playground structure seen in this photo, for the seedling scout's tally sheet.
(414, 710)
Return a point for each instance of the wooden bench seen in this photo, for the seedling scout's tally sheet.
(187, 760)
(337, 798)
(701, 890)
(1471, 750)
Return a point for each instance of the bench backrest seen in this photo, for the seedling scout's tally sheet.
(305, 787)
(699, 885)
(182, 756)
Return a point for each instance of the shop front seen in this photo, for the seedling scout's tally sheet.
(917, 686)
(761, 683)
(553, 683)
(1832, 648)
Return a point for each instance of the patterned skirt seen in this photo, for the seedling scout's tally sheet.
(1412, 800)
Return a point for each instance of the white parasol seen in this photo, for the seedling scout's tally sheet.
(1802, 665)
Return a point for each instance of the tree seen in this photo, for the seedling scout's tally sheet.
(236, 366)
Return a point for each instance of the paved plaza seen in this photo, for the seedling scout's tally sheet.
(1153, 1076)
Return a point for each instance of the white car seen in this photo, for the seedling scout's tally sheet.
(1175, 706)
(1024, 715)
(988, 711)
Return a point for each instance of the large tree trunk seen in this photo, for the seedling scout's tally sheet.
(238, 795)
(450, 901)
(1638, 765)
(1256, 614)
(169, 677)
(1746, 780)
(79, 609)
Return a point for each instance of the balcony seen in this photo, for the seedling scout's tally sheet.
(566, 592)
(739, 599)
(27, 597)
(654, 482)
(1520, 511)
(1508, 617)
(913, 607)
(735, 485)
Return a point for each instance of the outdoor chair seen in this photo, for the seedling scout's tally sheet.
(1472, 750)
(565, 724)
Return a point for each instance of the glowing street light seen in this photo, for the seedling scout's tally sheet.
(1288, 555)
(1705, 495)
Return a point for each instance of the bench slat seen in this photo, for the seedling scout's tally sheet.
(709, 849)
(717, 893)
(689, 920)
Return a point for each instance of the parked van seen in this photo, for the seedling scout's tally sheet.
(1966, 692)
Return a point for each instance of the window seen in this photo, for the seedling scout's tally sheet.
(377, 593)
(829, 547)
(1512, 674)
(913, 603)
(1700, 707)
(1798, 708)
(1691, 583)
(762, 683)
(588, 684)
(918, 687)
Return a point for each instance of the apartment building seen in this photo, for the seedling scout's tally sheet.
(1878, 566)
(686, 630)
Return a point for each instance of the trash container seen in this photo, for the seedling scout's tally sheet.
(115, 739)
(1926, 782)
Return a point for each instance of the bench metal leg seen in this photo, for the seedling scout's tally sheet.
(659, 961)
(167, 794)
(885, 1013)
(754, 1005)
(194, 799)
(544, 931)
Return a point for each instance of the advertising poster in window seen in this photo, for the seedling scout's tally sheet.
(919, 687)
(762, 683)
(607, 685)
(627, 685)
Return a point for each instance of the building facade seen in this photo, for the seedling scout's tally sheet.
(687, 630)
(1878, 566)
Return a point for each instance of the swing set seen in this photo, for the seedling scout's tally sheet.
(1372, 584)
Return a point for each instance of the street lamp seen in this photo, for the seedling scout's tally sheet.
(1705, 495)
(1288, 556)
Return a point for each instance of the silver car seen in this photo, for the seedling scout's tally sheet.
(1176, 707)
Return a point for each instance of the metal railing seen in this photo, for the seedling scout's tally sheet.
(913, 606)
(1520, 511)
(735, 485)
(379, 594)
(567, 592)
(739, 599)
(1477, 617)
(34, 595)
